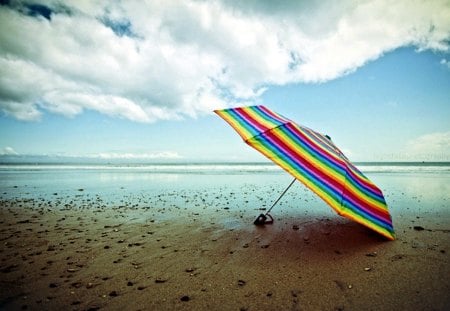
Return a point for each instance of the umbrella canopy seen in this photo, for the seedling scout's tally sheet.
(314, 160)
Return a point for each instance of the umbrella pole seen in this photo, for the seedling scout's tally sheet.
(262, 219)
(285, 190)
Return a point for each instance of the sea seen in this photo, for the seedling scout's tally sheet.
(417, 187)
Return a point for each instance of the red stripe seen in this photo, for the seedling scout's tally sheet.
(298, 158)
(366, 206)
(369, 206)
(250, 120)
(323, 141)
(365, 182)
(339, 161)
(273, 115)
(324, 153)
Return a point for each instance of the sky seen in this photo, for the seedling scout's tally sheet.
(139, 80)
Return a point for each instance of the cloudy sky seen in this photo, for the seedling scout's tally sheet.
(140, 79)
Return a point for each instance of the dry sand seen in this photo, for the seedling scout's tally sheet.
(101, 258)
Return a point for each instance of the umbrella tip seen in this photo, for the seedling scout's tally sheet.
(262, 220)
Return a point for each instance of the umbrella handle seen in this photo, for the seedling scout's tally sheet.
(262, 218)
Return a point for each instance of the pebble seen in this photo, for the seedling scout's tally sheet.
(185, 298)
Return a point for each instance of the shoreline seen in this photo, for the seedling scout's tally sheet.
(109, 258)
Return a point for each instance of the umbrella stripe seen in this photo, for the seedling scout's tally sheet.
(301, 152)
(326, 181)
(271, 118)
(248, 121)
(354, 204)
(384, 223)
(322, 141)
(307, 179)
(257, 119)
(357, 189)
(319, 138)
(313, 159)
(273, 115)
(386, 232)
(374, 201)
(378, 213)
(364, 201)
(359, 179)
(298, 137)
(296, 160)
(317, 144)
(252, 119)
(303, 149)
(234, 119)
(364, 182)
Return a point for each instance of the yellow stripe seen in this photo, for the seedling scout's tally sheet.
(364, 197)
(340, 178)
(371, 225)
(256, 116)
(242, 131)
(287, 167)
(332, 153)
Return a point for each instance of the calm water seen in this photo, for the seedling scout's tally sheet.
(418, 187)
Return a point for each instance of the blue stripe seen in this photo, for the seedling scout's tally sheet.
(332, 165)
(268, 144)
(268, 117)
(243, 122)
(349, 205)
(367, 191)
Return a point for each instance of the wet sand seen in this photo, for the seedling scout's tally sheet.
(75, 257)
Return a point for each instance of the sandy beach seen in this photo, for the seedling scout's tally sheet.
(62, 253)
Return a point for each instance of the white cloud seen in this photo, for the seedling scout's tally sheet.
(8, 151)
(147, 61)
(433, 146)
(445, 63)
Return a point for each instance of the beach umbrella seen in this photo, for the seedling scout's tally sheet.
(313, 159)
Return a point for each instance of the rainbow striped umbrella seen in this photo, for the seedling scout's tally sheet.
(313, 159)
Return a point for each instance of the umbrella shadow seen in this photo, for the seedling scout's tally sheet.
(318, 236)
